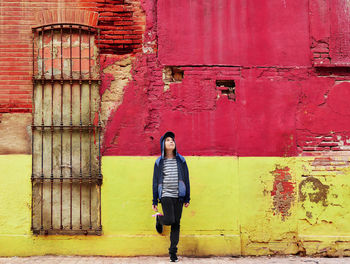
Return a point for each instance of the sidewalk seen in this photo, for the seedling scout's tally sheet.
(156, 260)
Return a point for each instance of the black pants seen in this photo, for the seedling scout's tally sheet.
(172, 210)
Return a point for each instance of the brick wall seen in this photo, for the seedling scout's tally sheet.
(121, 32)
(121, 25)
(16, 51)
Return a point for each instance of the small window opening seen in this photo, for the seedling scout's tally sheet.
(227, 87)
(177, 74)
(172, 75)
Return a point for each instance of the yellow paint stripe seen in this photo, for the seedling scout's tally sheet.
(232, 211)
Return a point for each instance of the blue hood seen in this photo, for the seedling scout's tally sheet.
(162, 147)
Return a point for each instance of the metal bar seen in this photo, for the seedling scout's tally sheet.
(88, 177)
(61, 124)
(71, 123)
(42, 56)
(94, 180)
(90, 223)
(66, 179)
(52, 54)
(99, 123)
(39, 28)
(73, 127)
(70, 52)
(67, 232)
(89, 36)
(80, 53)
(33, 113)
(80, 149)
(64, 80)
(33, 65)
(52, 84)
(61, 42)
(99, 105)
(42, 134)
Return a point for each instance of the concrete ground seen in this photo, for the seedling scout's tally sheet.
(156, 260)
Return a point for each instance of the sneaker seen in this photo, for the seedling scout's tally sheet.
(173, 258)
(159, 226)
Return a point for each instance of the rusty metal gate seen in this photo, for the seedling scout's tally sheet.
(66, 159)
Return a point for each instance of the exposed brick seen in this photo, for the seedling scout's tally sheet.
(322, 61)
(133, 36)
(107, 19)
(118, 20)
(117, 9)
(102, 14)
(328, 144)
(125, 41)
(112, 37)
(105, 41)
(123, 19)
(106, 28)
(122, 22)
(320, 49)
(336, 149)
(324, 55)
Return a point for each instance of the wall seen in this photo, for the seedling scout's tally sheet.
(239, 206)
(280, 96)
(269, 157)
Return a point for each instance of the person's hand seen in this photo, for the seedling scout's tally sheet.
(187, 204)
(155, 208)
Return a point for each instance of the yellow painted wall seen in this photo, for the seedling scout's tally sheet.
(231, 211)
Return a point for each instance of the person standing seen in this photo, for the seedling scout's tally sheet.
(171, 185)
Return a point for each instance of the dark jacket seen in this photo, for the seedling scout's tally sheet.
(184, 182)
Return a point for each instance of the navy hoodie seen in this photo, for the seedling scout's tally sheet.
(184, 182)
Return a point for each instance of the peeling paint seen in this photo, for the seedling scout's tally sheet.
(313, 190)
(283, 191)
(115, 76)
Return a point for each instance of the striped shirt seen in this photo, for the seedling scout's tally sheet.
(170, 178)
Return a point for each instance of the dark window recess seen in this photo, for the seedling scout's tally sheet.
(173, 74)
(66, 159)
(177, 74)
(227, 87)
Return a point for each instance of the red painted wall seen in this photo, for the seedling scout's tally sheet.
(284, 106)
(226, 32)
(289, 61)
(340, 31)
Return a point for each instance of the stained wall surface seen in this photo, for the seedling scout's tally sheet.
(257, 94)
(239, 206)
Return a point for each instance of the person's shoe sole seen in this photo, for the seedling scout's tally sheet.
(159, 227)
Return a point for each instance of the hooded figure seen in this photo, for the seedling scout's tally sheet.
(171, 186)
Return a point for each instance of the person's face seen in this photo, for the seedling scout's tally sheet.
(169, 144)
